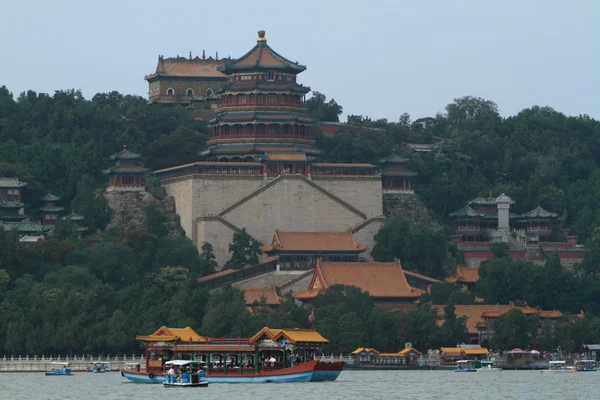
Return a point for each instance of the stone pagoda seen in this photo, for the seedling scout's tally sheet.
(261, 113)
(126, 175)
(50, 209)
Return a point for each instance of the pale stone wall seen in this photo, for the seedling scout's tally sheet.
(363, 194)
(291, 205)
(214, 194)
(217, 234)
(366, 236)
(182, 193)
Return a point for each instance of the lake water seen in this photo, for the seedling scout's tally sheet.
(426, 385)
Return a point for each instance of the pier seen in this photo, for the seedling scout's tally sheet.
(78, 363)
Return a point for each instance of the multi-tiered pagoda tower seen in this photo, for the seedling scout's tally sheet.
(261, 111)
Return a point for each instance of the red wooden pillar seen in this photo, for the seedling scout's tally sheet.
(308, 168)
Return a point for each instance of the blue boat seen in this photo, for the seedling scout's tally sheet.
(586, 366)
(465, 366)
(59, 369)
(99, 367)
(184, 374)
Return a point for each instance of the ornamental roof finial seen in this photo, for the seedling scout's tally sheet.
(203, 55)
(217, 58)
(190, 54)
(124, 147)
(261, 36)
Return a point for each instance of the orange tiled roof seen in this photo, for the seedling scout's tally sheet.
(365, 349)
(190, 68)
(380, 279)
(314, 241)
(256, 294)
(306, 294)
(419, 276)
(165, 334)
(465, 275)
(549, 314)
(407, 351)
(226, 272)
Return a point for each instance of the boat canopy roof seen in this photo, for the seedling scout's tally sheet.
(100, 362)
(60, 363)
(181, 362)
(586, 361)
(464, 361)
(558, 362)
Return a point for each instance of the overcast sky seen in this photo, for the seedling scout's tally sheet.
(377, 58)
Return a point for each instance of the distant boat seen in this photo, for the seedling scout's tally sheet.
(585, 365)
(559, 367)
(190, 374)
(99, 367)
(59, 369)
(465, 366)
(488, 366)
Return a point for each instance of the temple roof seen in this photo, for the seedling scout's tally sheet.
(279, 116)
(405, 174)
(125, 155)
(465, 275)
(11, 183)
(11, 204)
(314, 241)
(295, 335)
(23, 227)
(165, 334)
(261, 57)
(275, 86)
(185, 67)
(121, 169)
(253, 148)
(50, 197)
(343, 165)
(539, 212)
(257, 294)
(73, 217)
(393, 159)
(52, 209)
(467, 211)
(379, 279)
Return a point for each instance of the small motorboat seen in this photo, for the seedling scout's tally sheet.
(465, 366)
(184, 373)
(59, 369)
(585, 365)
(488, 366)
(99, 367)
(559, 367)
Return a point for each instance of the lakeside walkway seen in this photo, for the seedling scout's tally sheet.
(78, 363)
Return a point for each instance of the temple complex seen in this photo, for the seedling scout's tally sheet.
(191, 82)
(126, 175)
(301, 250)
(486, 220)
(50, 210)
(258, 169)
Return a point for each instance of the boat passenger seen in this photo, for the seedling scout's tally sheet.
(171, 374)
(201, 377)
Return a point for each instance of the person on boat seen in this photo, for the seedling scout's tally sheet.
(201, 376)
(171, 374)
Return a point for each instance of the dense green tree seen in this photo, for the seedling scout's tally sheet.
(208, 261)
(322, 110)
(244, 250)
(419, 247)
(513, 329)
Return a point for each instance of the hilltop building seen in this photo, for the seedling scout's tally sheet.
(50, 210)
(258, 169)
(484, 221)
(126, 175)
(12, 208)
(191, 82)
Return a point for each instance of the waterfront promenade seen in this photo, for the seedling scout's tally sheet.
(78, 363)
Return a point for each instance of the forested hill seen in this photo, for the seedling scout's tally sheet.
(58, 295)
(538, 157)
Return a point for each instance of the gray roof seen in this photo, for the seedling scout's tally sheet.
(11, 182)
(539, 212)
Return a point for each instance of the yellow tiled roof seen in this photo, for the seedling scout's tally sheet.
(472, 352)
(295, 335)
(165, 334)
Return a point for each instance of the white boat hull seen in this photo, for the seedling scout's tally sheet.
(185, 385)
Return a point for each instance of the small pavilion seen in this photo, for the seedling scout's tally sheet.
(127, 174)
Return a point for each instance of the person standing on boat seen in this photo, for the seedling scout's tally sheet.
(171, 374)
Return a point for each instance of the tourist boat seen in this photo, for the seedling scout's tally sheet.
(190, 374)
(559, 367)
(271, 355)
(59, 369)
(488, 366)
(585, 365)
(99, 367)
(465, 366)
